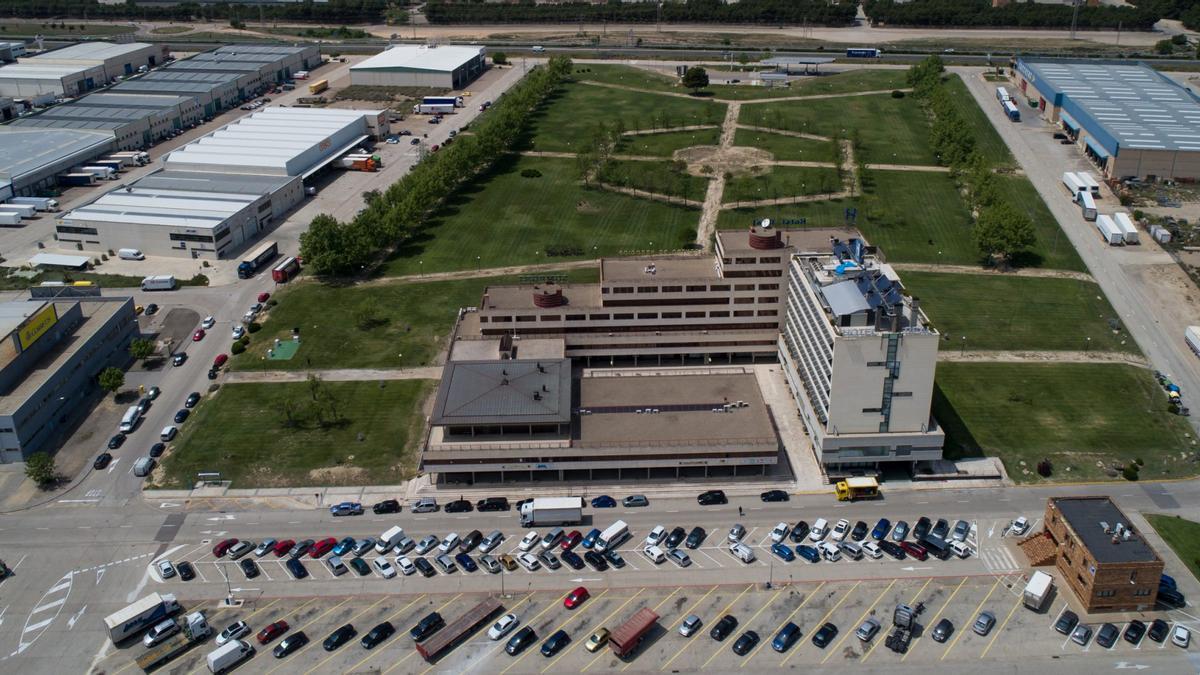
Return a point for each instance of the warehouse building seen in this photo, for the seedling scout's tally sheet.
(50, 361)
(11, 51)
(421, 66)
(136, 121)
(1130, 120)
(31, 159)
(32, 80)
(214, 92)
(115, 60)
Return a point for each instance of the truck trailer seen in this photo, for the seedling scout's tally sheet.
(1090, 183)
(195, 629)
(459, 629)
(552, 511)
(1109, 231)
(161, 282)
(433, 109)
(1192, 335)
(9, 217)
(101, 172)
(629, 635)
(1037, 590)
(285, 271)
(1087, 206)
(1128, 229)
(1073, 184)
(77, 179)
(140, 615)
(1012, 111)
(39, 203)
(26, 210)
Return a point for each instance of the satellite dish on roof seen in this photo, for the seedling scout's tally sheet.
(766, 222)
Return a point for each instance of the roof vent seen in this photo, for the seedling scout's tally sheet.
(1127, 534)
(1104, 526)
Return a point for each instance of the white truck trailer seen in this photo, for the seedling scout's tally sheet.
(142, 614)
(1037, 590)
(1087, 205)
(1090, 183)
(39, 203)
(9, 217)
(552, 511)
(1192, 336)
(1128, 229)
(1073, 184)
(1109, 231)
(161, 282)
(26, 210)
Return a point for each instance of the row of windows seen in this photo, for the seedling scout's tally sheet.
(627, 316)
(191, 237)
(774, 260)
(665, 329)
(693, 288)
(72, 229)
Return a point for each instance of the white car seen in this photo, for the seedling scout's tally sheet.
(1181, 636)
(1019, 526)
(208, 322)
(385, 568)
(656, 536)
(166, 569)
(160, 632)
(449, 543)
(235, 630)
(819, 529)
(780, 532)
(406, 566)
(529, 541)
(238, 332)
(503, 627)
(872, 549)
(529, 561)
(841, 529)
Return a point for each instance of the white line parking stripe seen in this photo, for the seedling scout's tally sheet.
(48, 605)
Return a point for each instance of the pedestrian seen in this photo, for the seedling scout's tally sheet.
(740, 512)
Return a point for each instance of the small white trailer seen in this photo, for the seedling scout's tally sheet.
(1090, 183)
(1109, 231)
(1128, 229)
(1073, 184)
(1087, 205)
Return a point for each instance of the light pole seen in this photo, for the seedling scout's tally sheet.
(1087, 346)
(964, 346)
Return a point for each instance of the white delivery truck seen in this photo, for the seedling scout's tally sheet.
(389, 539)
(1037, 590)
(228, 655)
(9, 217)
(613, 536)
(1109, 231)
(106, 172)
(39, 203)
(130, 420)
(1128, 229)
(162, 282)
(552, 511)
(1087, 205)
(142, 614)
(26, 210)
(1192, 336)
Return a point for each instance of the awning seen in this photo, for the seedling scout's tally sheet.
(58, 260)
(1096, 148)
(1068, 122)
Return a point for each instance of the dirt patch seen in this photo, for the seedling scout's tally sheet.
(338, 475)
(584, 206)
(704, 160)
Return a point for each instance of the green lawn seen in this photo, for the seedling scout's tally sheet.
(1053, 250)
(997, 312)
(627, 76)
(780, 181)
(655, 177)
(666, 143)
(783, 147)
(1183, 536)
(890, 130)
(572, 115)
(243, 431)
(987, 139)
(1082, 417)
(73, 28)
(503, 218)
(378, 325)
(852, 81)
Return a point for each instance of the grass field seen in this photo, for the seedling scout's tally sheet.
(997, 312)
(1053, 250)
(1082, 417)
(572, 115)
(493, 222)
(783, 147)
(987, 139)
(56, 28)
(655, 177)
(627, 76)
(890, 130)
(851, 81)
(666, 143)
(243, 432)
(1183, 536)
(170, 30)
(781, 181)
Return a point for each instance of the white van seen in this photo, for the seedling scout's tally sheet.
(130, 420)
(228, 655)
(819, 529)
(168, 433)
(742, 552)
(852, 550)
(449, 543)
(830, 551)
(130, 254)
(655, 554)
(960, 549)
(143, 467)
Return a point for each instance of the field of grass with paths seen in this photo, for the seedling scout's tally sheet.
(655, 177)
(1183, 536)
(836, 83)
(666, 143)
(1053, 249)
(1083, 417)
(987, 139)
(781, 181)
(788, 148)
(243, 432)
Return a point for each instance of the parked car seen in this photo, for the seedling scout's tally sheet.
(249, 567)
(186, 571)
(589, 540)
(386, 506)
(1066, 622)
(859, 532)
(517, 643)
(576, 598)
(900, 531)
(961, 529)
(1107, 635)
(695, 537)
(840, 530)
(272, 631)
(690, 625)
(983, 623)
(339, 637)
(181, 415)
(223, 547)
(282, 547)
(378, 634)
(808, 553)
(102, 461)
(1081, 635)
(233, 631)
(344, 546)
(881, 529)
(427, 626)
(597, 640)
(116, 441)
(745, 643)
(1134, 632)
(322, 547)
(723, 628)
(736, 533)
(633, 501)
(676, 537)
(290, 644)
(921, 528)
(1158, 630)
(492, 504)
(799, 532)
(596, 560)
(571, 540)
(824, 635)
(1181, 636)
(555, 643)
(915, 550)
(867, 629)
(603, 502)
(782, 551)
(712, 497)
(774, 496)
(941, 528)
(572, 559)
(165, 569)
(459, 506)
(346, 509)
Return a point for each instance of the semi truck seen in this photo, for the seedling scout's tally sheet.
(1109, 232)
(629, 635)
(856, 487)
(285, 271)
(77, 179)
(1037, 590)
(459, 629)
(138, 157)
(433, 108)
(358, 163)
(101, 172)
(1012, 111)
(552, 511)
(256, 259)
(39, 203)
(864, 52)
(140, 615)
(195, 629)
(1192, 336)
(160, 282)
(1128, 229)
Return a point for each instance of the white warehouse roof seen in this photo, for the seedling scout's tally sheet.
(418, 57)
(92, 51)
(206, 210)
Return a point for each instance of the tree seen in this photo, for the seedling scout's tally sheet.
(499, 58)
(315, 384)
(1002, 231)
(695, 78)
(141, 349)
(40, 469)
(112, 379)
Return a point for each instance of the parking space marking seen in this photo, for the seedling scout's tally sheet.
(314, 620)
(854, 626)
(812, 594)
(348, 621)
(767, 604)
(611, 614)
(414, 651)
(691, 610)
(933, 615)
(875, 644)
(963, 629)
(571, 615)
(824, 619)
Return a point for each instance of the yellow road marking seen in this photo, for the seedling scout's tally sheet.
(414, 651)
(824, 619)
(722, 612)
(877, 640)
(770, 600)
(970, 617)
(602, 622)
(530, 623)
(349, 621)
(393, 616)
(934, 616)
(854, 626)
(796, 611)
(314, 620)
(1000, 628)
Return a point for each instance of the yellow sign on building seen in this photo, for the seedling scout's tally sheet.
(37, 325)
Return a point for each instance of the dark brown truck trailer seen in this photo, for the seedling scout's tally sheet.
(459, 629)
(627, 636)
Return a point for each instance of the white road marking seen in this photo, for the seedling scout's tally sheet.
(48, 605)
(114, 464)
(40, 624)
(75, 617)
(14, 567)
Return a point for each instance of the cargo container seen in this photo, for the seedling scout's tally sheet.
(39, 203)
(1192, 336)
(1090, 183)
(1160, 234)
(284, 271)
(1011, 110)
(26, 210)
(1087, 205)
(459, 629)
(140, 615)
(256, 259)
(300, 75)
(1002, 95)
(77, 179)
(1037, 590)
(1128, 229)
(114, 164)
(1109, 231)
(629, 635)
(1073, 184)
(10, 218)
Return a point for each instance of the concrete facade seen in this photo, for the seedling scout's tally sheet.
(31, 159)
(115, 60)
(444, 67)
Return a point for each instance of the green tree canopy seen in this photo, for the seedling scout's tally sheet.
(695, 78)
(1002, 231)
(141, 348)
(112, 379)
(40, 468)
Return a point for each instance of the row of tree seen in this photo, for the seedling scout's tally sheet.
(810, 12)
(332, 12)
(1024, 14)
(331, 247)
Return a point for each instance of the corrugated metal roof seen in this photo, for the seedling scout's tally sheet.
(93, 51)
(845, 298)
(24, 151)
(418, 57)
(30, 71)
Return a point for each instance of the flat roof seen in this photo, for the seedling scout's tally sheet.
(1135, 106)
(135, 101)
(619, 269)
(797, 60)
(154, 86)
(203, 181)
(93, 51)
(167, 75)
(281, 50)
(59, 260)
(1088, 516)
(38, 71)
(134, 204)
(806, 239)
(24, 151)
(516, 391)
(488, 349)
(14, 313)
(61, 123)
(521, 297)
(419, 57)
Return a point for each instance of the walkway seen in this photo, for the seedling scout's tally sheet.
(967, 269)
(483, 273)
(334, 375)
(729, 101)
(711, 209)
(1094, 356)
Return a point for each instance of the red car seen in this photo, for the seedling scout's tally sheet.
(915, 550)
(220, 360)
(220, 549)
(198, 335)
(262, 297)
(572, 540)
(282, 547)
(271, 632)
(322, 547)
(576, 597)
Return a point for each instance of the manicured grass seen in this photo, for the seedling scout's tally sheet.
(1183, 536)
(503, 218)
(242, 431)
(656, 177)
(666, 143)
(1084, 418)
(997, 312)
(790, 148)
(987, 139)
(406, 323)
(852, 81)
(890, 130)
(780, 181)
(1053, 250)
(170, 30)
(570, 117)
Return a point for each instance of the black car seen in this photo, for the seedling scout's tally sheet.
(179, 359)
(614, 558)
(290, 644)
(921, 528)
(555, 643)
(492, 504)
(427, 626)
(723, 628)
(1066, 622)
(459, 506)
(596, 560)
(360, 566)
(158, 449)
(892, 549)
(378, 634)
(774, 496)
(424, 567)
(186, 571)
(799, 532)
(712, 497)
(102, 461)
(116, 441)
(248, 568)
(1107, 636)
(151, 309)
(941, 528)
(520, 641)
(1134, 632)
(192, 399)
(1170, 597)
(572, 558)
(339, 637)
(942, 630)
(387, 506)
(1158, 630)
(745, 643)
(675, 538)
(297, 568)
(212, 373)
(824, 635)
(695, 537)
(859, 532)
(470, 541)
(181, 416)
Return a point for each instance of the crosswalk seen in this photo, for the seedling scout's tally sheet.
(998, 559)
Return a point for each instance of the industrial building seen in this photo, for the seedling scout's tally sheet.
(214, 92)
(77, 69)
(136, 121)
(1130, 120)
(116, 60)
(31, 159)
(1105, 561)
(443, 67)
(11, 51)
(50, 360)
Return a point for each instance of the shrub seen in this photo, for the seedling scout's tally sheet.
(272, 302)
(237, 348)
(254, 327)
(1045, 468)
(1130, 472)
(531, 173)
(897, 94)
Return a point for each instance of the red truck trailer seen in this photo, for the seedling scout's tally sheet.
(629, 635)
(284, 271)
(459, 629)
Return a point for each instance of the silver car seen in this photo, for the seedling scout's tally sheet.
(689, 626)
(961, 529)
(426, 545)
(983, 623)
(264, 547)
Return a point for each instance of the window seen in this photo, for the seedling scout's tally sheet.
(1106, 594)
(647, 289)
(744, 287)
(1141, 592)
(551, 317)
(647, 315)
(719, 287)
(697, 289)
(768, 312)
(694, 315)
(622, 317)
(71, 229)
(575, 317)
(768, 287)
(745, 261)
(623, 289)
(671, 315)
(718, 315)
(672, 289)
(768, 260)
(872, 410)
(526, 319)
(902, 394)
(598, 317)
(743, 301)
(191, 237)
(876, 364)
(744, 312)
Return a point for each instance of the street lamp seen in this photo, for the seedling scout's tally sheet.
(1087, 346)
(964, 346)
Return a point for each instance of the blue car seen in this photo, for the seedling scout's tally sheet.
(604, 502)
(465, 562)
(783, 551)
(1167, 581)
(786, 636)
(344, 546)
(346, 509)
(881, 529)
(808, 553)
(590, 540)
